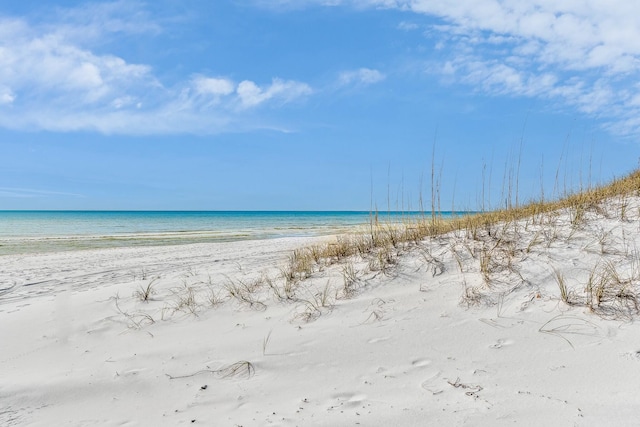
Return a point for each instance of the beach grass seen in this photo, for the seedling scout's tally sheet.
(492, 239)
(482, 252)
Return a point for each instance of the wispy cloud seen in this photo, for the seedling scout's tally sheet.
(408, 26)
(27, 193)
(583, 54)
(213, 86)
(252, 95)
(6, 95)
(94, 20)
(586, 56)
(51, 79)
(362, 76)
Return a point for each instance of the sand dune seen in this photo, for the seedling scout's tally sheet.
(460, 329)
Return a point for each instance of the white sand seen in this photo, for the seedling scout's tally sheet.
(411, 347)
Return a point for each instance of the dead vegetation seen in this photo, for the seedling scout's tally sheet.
(484, 253)
(494, 245)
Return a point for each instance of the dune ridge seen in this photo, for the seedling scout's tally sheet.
(524, 318)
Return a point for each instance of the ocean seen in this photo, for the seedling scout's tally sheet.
(45, 231)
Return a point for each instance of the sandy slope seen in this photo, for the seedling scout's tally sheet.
(428, 342)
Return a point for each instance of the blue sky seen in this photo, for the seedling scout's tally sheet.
(313, 104)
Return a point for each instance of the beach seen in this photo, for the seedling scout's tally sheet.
(528, 322)
(285, 213)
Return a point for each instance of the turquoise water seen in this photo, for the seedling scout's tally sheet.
(37, 231)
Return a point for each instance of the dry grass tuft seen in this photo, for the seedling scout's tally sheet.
(239, 369)
(611, 295)
(145, 292)
(244, 292)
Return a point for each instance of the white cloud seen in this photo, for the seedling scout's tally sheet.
(408, 26)
(585, 54)
(50, 79)
(500, 78)
(6, 95)
(123, 101)
(43, 67)
(251, 95)
(213, 86)
(94, 21)
(363, 76)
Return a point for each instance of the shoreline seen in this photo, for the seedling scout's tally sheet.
(50, 231)
(54, 244)
(34, 232)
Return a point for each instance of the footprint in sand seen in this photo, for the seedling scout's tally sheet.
(419, 363)
(347, 399)
(380, 339)
(430, 384)
(415, 366)
(356, 399)
(501, 343)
